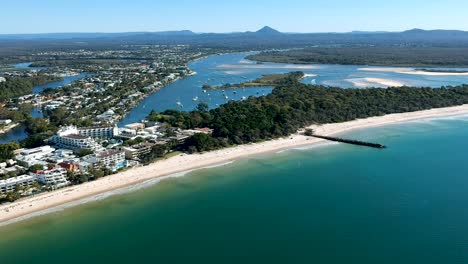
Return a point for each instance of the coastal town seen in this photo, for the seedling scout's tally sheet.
(74, 137)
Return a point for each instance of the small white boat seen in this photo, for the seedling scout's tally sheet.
(195, 98)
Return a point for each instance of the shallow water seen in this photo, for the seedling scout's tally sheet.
(333, 203)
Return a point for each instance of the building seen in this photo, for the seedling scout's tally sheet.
(9, 185)
(56, 177)
(36, 153)
(98, 132)
(5, 122)
(135, 126)
(34, 156)
(70, 138)
(109, 116)
(111, 159)
(75, 141)
(138, 151)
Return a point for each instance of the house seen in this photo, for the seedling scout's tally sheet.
(109, 116)
(5, 122)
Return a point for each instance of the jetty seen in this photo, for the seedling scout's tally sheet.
(352, 142)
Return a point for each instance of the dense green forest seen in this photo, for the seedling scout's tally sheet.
(385, 56)
(15, 87)
(293, 105)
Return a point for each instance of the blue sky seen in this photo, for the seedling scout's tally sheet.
(41, 16)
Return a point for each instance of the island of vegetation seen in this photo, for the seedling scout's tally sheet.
(376, 56)
(266, 80)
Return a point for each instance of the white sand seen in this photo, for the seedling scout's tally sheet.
(412, 71)
(185, 162)
(374, 82)
(426, 73)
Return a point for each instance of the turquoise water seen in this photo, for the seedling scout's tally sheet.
(234, 68)
(328, 204)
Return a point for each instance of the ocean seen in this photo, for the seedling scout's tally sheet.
(331, 203)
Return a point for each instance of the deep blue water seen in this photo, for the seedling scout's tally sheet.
(329, 204)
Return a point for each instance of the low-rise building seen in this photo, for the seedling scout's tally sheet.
(9, 185)
(56, 177)
(135, 126)
(111, 159)
(138, 151)
(5, 122)
(35, 153)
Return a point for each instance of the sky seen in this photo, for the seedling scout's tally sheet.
(51, 16)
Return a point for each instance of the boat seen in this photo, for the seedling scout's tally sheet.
(204, 91)
(225, 96)
(244, 98)
(195, 98)
(179, 104)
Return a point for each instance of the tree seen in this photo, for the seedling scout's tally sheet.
(202, 107)
(7, 151)
(309, 132)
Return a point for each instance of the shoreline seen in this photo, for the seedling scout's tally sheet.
(184, 163)
(8, 128)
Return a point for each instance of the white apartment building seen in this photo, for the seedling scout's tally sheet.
(70, 138)
(112, 159)
(98, 132)
(56, 177)
(10, 184)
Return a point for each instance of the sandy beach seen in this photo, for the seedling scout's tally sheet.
(412, 71)
(184, 162)
(374, 82)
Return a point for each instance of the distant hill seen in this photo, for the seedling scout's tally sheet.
(268, 31)
(264, 38)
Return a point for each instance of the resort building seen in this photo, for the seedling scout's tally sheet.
(56, 177)
(9, 185)
(138, 151)
(70, 138)
(98, 132)
(111, 159)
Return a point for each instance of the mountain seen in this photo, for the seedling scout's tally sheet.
(268, 31)
(265, 38)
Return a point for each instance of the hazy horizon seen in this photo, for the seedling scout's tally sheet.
(298, 16)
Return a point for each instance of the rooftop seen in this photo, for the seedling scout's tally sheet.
(75, 136)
